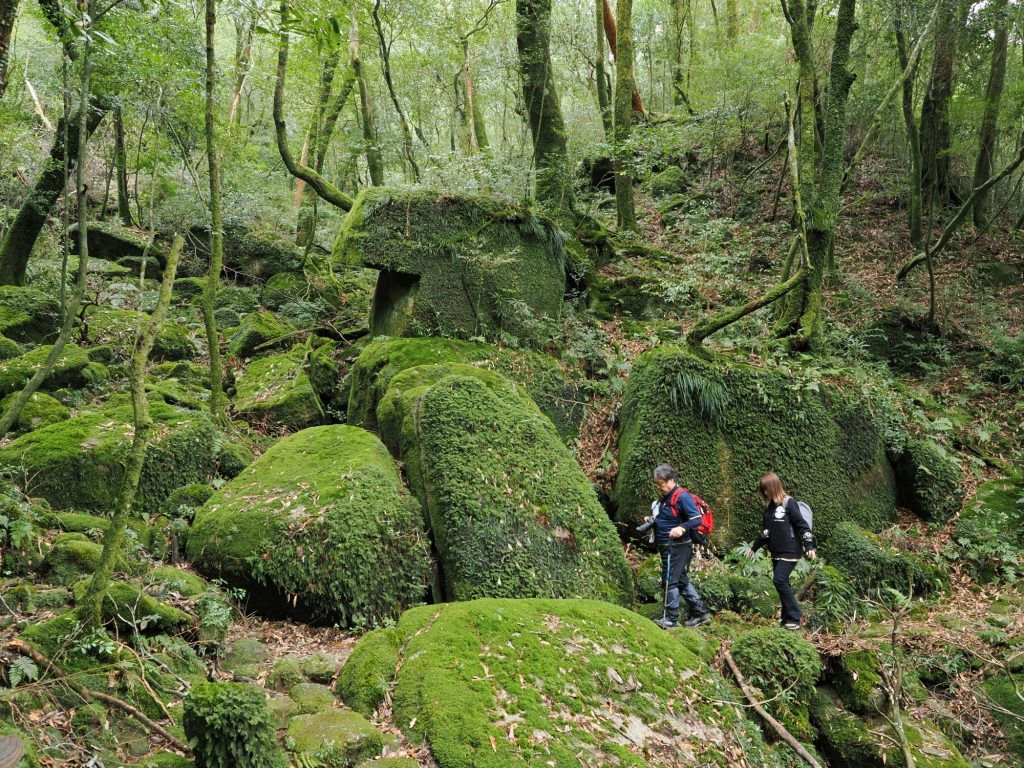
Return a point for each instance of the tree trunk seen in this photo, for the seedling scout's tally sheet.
(374, 160)
(604, 97)
(124, 212)
(543, 111)
(22, 234)
(732, 21)
(385, 57)
(913, 141)
(90, 609)
(990, 117)
(244, 30)
(935, 127)
(611, 33)
(624, 204)
(217, 399)
(8, 15)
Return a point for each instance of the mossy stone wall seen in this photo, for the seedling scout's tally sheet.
(723, 425)
(323, 521)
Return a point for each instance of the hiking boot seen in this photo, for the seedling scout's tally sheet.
(792, 626)
(11, 750)
(665, 623)
(696, 621)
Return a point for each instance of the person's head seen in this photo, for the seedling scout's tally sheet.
(771, 488)
(664, 477)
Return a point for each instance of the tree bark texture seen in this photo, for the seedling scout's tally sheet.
(374, 159)
(602, 81)
(935, 127)
(624, 200)
(8, 14)
(543, 111)
(611, 33)
(913, 143)
(124, 211)
(244, 31)
(990, 117)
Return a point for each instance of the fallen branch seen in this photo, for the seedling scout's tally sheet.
(88, 694)
(776, 726)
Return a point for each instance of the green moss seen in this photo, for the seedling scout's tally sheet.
(389, 762)
(285, 287)
(27, 314)
(229, 726)
(80, 462)
(989, 534)
(648, 584)
(233, 458)
(844, 739)
(73, 556)
(753, 595)
(130, 608)
(931, 481)
(246, 657)
(785, 667)
(714, 586)
(671, 181)
(287, 672)
(723, 425)
(313, 518)
(9, 349)
(282, 710)
(511, 512)
(67, 371)
(240, 298)
(539, 376)
(574, 675)
(118, 328)
(859, 682)
(454, 266)
(258, 329)
(40, 410)
(1002, 691)
(188, 287)
(320, 668)
(276, 391)
(873, 565)
(339, 739)
(185, 583)
(311, 697)
(366, 677)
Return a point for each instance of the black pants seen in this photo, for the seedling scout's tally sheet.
(780, 577)
(675, 568)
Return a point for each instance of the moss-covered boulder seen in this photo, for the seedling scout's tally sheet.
(110, 241)
(511, 512)
(130, 608)
(311, 697)
(723, 425)
(230, 726)
(930, 480)
(67, 372)
(276, 392)
(671, 181)
(285, 287)
(9, 349)
(71, 557)
(27, 314)
(336, 738)
(582, 682)
(320, 668)
(990, 531)
(1003, 691)
(119, 328)
(286, 674)
(313, 519)
(259, 329)
(454, 265)
(40, 410)
(873, 564)
(246, 657)
(80, 462)
(167, 578)
(539, 376)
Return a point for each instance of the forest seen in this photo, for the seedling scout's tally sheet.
(345, 345)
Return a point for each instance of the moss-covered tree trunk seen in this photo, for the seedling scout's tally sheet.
(680, 19)
(913, 142)
(732, 21)
(990, 116)
(217, 399)
(245, 28)
(374, 158)
(8, 14)
(935, 125)
(624, 201)
(602, 80)
(543, 111)
(90, 609)
(124, 212)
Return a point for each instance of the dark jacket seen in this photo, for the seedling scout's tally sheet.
(784, 531)
(684, 513)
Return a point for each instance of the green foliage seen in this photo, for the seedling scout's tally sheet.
(723, 425)
(312, 520)
(229, 726)
(874, 566)
(28, 314)
(989, 534)
(930, 480)
(835, 598)
(22, 669)
(1007, 365)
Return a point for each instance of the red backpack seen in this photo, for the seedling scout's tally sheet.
(707, 516)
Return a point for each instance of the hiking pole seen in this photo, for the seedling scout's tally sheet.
(668, 576)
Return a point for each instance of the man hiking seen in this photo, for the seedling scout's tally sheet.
(675, 522)
(788, 536)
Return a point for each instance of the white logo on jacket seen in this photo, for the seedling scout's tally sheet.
(780, 513)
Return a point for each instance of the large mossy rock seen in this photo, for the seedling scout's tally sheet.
(723, 425)
(338, 738)
(538, 375)
(259, 330)
(874, 565)
(990, 530)
(511, 512)
(67, 372)
(321, 518)
(454, 265)
(276, 392)
(28, 314)
(40, 410)
(930, 480)
(80, 462)
(119, 328)
(112, 242)
(564, 683)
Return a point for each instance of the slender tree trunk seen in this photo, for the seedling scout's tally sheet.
(990, 117)
(90, 609)
(374, 160)
(121, 167)
(24, 230)
(935, 125)
(385, 57)
(611, 33)
(543, 111)
(732, 21)
(604, 96)
(217, 399)
(624, 203)
(305, 198)
(479, 124)
(8, 15)
(913, 141)
(244, 30)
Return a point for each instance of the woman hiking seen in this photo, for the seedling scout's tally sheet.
(788, 537)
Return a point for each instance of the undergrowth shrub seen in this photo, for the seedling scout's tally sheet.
(229, 726)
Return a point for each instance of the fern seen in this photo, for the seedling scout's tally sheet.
(307, 760)
(708, 397)
(23, 669)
